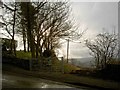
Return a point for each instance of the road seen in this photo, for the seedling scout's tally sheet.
(12, 81)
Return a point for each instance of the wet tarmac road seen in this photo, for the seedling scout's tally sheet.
(10, 81)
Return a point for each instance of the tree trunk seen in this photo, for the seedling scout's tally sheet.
(37, 47)
(32, 47)
(29, 30)
(11, 46)
(13, 41)
(28, 44)
(51, 44)
(24, 40)
(48, 45)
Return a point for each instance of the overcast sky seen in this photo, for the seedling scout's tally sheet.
(95, 16)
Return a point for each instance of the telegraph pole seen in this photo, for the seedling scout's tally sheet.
(119, 31)
(67, 49)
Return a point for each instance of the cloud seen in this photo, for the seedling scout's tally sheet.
(94, 16)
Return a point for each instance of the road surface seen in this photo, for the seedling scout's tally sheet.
(12, 81)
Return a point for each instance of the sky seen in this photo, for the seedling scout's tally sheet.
(98, 17)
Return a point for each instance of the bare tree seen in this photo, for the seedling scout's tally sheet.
(52, 22)
(103, 48)
(41, 24)
(10, 22)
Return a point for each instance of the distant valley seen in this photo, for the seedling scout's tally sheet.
(82, 62)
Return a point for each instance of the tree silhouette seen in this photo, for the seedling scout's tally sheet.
(103, 48)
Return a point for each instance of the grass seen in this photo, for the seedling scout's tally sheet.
(68, 68)
(23, 55)
(57, 64)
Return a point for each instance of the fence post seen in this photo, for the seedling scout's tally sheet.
(62, 64)
(30, 64)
